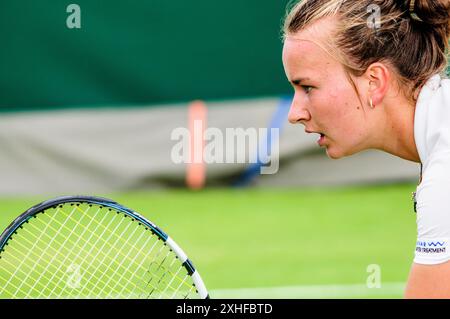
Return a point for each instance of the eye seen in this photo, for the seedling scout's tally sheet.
(306, 88)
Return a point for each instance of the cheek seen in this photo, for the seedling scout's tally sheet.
(342, 117)
(340, 109)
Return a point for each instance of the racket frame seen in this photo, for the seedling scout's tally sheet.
(105, 202)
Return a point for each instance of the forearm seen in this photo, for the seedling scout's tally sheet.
(429, 281)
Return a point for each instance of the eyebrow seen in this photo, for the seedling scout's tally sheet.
(297, 81)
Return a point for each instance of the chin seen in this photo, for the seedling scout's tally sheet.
(335, 152)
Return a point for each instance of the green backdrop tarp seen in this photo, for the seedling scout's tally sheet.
(138, 52)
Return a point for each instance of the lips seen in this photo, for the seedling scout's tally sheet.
(315, 132)
(321, 139)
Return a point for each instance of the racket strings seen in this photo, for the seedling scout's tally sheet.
(112, 256)
(24, 258)
(47, 253)
(103, 261)
(77, 256)
(33, 271)
(103, 247)
(174, 276)
(160, 271)
(18, 243)
(47, 262)
(58, 251)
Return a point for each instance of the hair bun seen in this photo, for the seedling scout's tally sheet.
(432, 12)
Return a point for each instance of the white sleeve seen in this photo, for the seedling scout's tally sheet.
(433, 212)
(433, 193)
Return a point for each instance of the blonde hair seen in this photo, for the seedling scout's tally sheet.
(415, 48)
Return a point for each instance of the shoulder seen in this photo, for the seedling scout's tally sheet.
(432, 118)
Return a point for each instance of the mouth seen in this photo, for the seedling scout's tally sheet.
(321, 138)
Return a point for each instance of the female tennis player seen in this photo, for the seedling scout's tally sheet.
(369, 74)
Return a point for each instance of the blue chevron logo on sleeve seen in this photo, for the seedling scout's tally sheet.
(430, 243)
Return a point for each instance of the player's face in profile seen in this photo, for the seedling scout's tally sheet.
(325, 101)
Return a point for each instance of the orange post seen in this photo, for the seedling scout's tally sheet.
(196, 170)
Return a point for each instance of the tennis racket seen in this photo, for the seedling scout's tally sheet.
(91, 247)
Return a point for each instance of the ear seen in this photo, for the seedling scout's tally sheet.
(378, 77)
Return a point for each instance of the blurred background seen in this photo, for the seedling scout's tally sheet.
(92, 109)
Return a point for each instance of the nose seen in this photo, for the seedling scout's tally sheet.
(298, 113)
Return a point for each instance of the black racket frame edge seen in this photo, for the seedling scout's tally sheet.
(101, 201)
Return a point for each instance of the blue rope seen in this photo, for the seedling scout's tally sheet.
(278, 120)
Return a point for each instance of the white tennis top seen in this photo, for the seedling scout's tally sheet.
(432, 137)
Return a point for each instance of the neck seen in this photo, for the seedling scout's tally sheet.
(397, 136)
